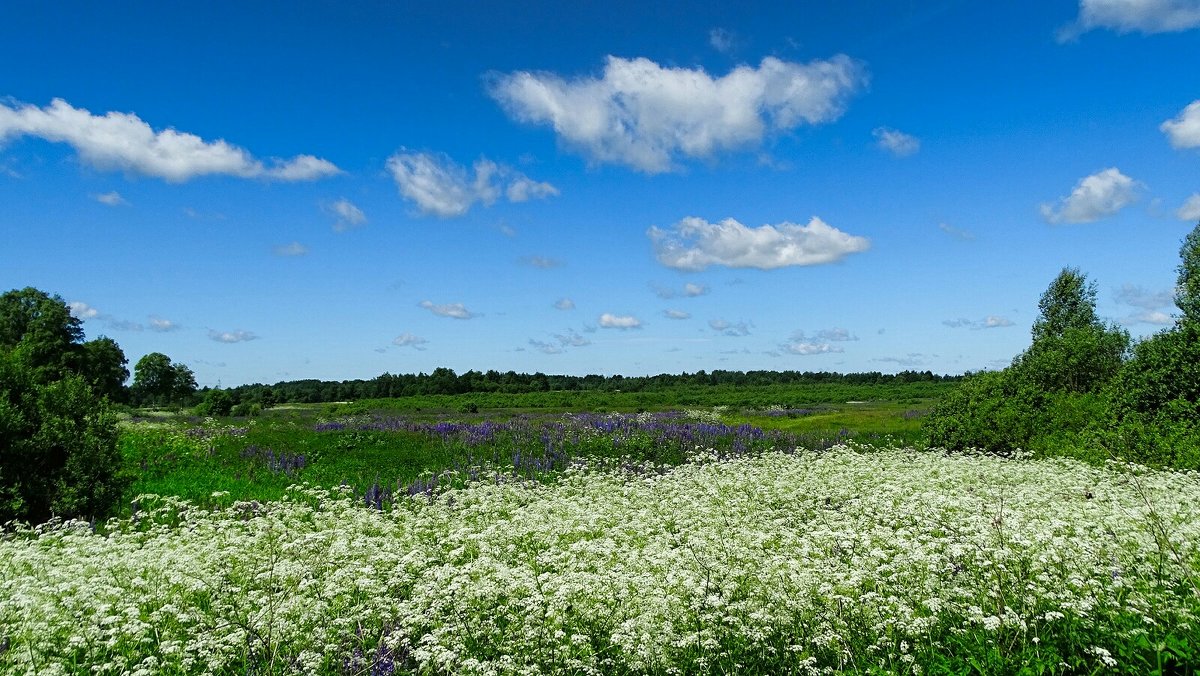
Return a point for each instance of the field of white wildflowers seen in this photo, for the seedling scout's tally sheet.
(855, 559)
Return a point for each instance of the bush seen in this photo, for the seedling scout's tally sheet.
(58, 447)
(989, 411)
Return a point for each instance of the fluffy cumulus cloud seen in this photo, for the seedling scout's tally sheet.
(81, 310)
(1133, 16)
(231, 336)
(646, 116)
(291, 250)
(729, 328)
(1149, 306)
(826, 341)
(112, 198)
(564, 304)
(896, 142)
(1097, 196)
(611, 321)
(453, 310)
(162, 325)
(122, 141)
(347, 214)
(677, 314)
(695, 244)
(1190, 211)
(441, 187)
(988, 322)
(409, 340)
(1183, 130)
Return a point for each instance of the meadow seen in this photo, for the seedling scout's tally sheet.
(446, 535)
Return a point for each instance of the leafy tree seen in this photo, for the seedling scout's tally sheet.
(1156, 397)
(1187, 287)
(1072, 350)
(104, 367)
(41, 327)
(156, 380)
(58, 446)
(217, 402)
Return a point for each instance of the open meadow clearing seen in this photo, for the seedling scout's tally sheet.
(732, 558)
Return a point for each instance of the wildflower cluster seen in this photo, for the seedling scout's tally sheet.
(795, 562)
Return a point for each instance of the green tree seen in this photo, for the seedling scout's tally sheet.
(1155, 400)
(156, 380)
(1187, 286)
(1072, 350)
(58, 446)
(41, 327)
(104, 368)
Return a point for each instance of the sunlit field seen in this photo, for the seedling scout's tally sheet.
(853, 558)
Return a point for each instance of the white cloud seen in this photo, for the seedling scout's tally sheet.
(909, 360)
(443, 188)
(694, 244)
(721, 40)
(523, 189)
(804, 346)
(957, 233)
(348, 215)
(564, 304)
(1135, 296)
(729, 328)
(81, 310)
(162, 325)
(1152, 317)
(546, 348)
(836, 335)
(611, 321)
(1128, 16)
(677, 314)
(692, 290)
(896, 142)
(231, 336)
(291, 250)
(1190, 211)
(648, 117)
(1094, 197)
(988, 322)
(540, 262)
(409, 340)
(123, 141)
(571, 339)
(454, 310)
(111, 199)
(1148, 303)
(1184, 129)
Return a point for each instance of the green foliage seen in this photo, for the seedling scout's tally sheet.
(42, 329)
(1072, 350)
(1187, 288)
(217, 402)
(104, 368)
(991, 411)
(58, 452)
(156, 380)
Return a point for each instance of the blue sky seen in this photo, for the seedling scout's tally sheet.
(345, 189)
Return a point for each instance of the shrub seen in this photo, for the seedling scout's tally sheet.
(58, 447)
(990, 411)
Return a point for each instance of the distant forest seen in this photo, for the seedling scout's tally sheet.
(444, 381)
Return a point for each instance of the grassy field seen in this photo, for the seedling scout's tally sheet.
(376, 538)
